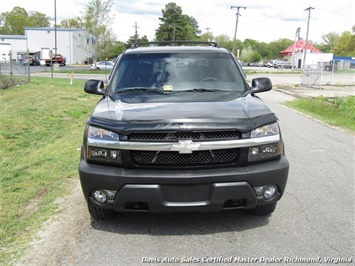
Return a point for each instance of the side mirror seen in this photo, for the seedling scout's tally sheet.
(260, 85)
(94, 86)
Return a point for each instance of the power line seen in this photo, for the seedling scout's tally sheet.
(236, 25)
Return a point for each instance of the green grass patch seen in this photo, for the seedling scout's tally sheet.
(339, 111)
(41, 131)
(278, 72)
(82, 71)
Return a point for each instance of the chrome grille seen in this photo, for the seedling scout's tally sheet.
(176, 136)
(173, 159)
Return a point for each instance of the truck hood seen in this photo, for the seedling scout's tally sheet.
(243, 114)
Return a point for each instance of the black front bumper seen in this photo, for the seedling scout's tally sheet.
(183, 190)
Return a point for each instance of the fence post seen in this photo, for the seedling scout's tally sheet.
(11, 68)
(28, 66)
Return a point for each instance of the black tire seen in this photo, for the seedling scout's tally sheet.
(263, 210)
(100, 214)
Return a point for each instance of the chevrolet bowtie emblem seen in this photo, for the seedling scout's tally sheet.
(185, 146)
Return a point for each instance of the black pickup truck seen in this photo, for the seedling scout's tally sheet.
(177, 129)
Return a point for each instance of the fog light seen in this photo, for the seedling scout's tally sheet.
(264, 152)
(255, 151)
(100, 196)
(104, 155)
(110, 194)
(269, 192)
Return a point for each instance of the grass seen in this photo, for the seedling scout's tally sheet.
(339, 111)
(41, 131)
(265, 71)
(83, 71)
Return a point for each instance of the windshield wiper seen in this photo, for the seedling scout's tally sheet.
(139, 89)
(200, 90)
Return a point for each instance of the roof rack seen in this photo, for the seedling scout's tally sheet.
(167, 43)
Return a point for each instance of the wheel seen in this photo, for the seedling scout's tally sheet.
(263, 210)
(100, 214)
(209, 79)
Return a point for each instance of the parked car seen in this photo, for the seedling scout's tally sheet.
(31, 60)
(56, 59)
(103, 65)
(178, 128)
(282, 64)
(271, 63)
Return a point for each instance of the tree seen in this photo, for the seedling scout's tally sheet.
(134, 39)
(38, 19)
(331, 40)
(116, 49)
(71, 23)
(175, 25)
(225, 41)
(250, 55)
(193, 23)
(15, 21)
(276, 47)
(208, 36)
(346, 45)
(97, 21)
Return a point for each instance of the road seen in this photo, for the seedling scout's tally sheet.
(313, 221)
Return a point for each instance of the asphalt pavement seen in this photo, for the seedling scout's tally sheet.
(332, 85)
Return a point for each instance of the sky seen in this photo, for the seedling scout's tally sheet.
(261, 20)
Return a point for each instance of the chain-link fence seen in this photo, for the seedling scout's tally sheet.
(312, 76)
(14, 71)
(325, 74)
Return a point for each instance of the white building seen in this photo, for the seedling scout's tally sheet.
(14, 44)
(295, 54)
(74, 44)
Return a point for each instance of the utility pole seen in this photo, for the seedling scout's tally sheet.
(236, 25)
(297, 37)
(306, 43)
(208, 33)
(135, 32)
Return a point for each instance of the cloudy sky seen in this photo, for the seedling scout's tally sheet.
(262, 20)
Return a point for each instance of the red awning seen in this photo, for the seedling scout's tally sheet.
(299, 48)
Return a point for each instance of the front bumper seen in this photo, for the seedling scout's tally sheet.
(183, 190)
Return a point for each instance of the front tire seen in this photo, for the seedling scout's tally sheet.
(100, 214)
(263, 210)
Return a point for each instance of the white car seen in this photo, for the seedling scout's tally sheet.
(103, 65)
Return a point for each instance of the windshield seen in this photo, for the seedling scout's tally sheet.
(177, 73)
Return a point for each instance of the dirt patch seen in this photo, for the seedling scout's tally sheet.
(60, 234)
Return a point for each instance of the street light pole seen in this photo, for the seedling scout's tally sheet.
(55, 27)
(236, 25)
(306, 43)
(55, 36)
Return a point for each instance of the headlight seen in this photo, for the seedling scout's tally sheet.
(99, 133)
(266, 151)
(99, 150)
(267, 130)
